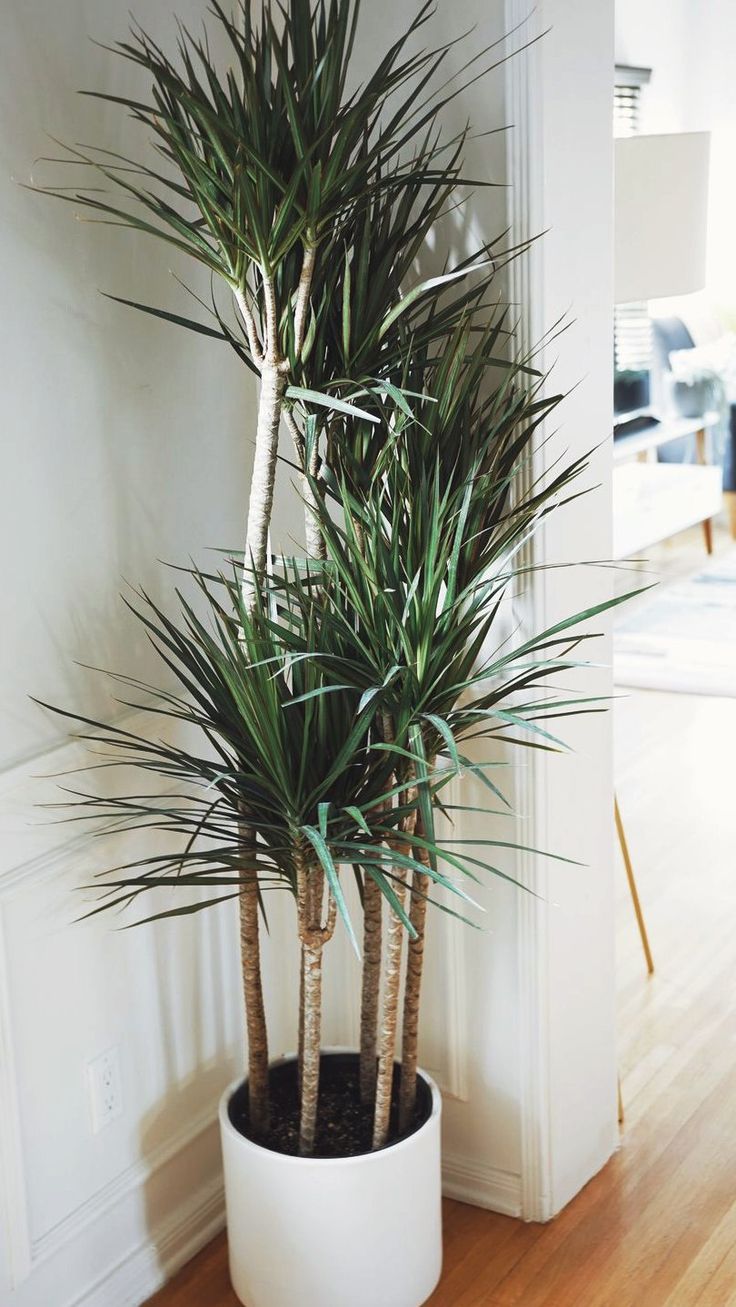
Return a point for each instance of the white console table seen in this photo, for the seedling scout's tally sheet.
(652, 501)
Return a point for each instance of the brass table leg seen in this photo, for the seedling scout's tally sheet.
(639, 918)
(701, 453)
(632, 887)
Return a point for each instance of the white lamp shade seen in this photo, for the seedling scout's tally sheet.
(661, 215)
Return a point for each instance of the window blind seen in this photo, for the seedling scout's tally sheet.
(632, 331)
(627, 98)
(632, 338)
(626, 105)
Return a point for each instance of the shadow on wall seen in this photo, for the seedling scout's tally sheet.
(123, 437)
(199, 1031)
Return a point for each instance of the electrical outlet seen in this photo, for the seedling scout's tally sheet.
(103, 1082)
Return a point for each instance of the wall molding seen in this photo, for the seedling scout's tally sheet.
(34, 842)
(13, 1192)
(190, 1228)
(121, 1186)
(33, 850)
(140, 1273)
(470, 1181)
(525, 173)
(559, 161)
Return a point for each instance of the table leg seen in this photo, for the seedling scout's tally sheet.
(701, 453)
(708, 535)
(632, 886)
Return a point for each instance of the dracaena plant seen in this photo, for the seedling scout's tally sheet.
(334, 697)
(336, 709)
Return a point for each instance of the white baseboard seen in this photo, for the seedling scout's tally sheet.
(483, 1186)
(143, 1271)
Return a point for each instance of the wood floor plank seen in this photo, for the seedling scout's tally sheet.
(490, 1250)
(710, 1279)
(204, 1282)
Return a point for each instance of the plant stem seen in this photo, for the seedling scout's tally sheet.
(273, 370)
(309, 1093)
(255, 1014)
(412, 995)
(314, 541)
(303, 292)
(371, 985)
(313, 936)
(254, 341)
(302, 915)
(387, 1041)
(273, 384)
(313, 536)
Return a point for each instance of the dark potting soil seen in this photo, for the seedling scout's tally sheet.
(344, 1125)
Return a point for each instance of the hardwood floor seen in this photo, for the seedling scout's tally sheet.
(657, 1228)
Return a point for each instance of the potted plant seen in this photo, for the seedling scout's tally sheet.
(332, 696)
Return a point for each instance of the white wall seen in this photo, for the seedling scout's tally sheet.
(658, 34)
(689, 47)
(123, 439)
(123, 442)
(712, 41)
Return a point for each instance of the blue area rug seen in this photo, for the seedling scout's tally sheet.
(684, 637)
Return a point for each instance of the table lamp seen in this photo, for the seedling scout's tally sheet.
(661, 216)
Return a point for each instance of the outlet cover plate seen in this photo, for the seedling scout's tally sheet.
(104, 1086)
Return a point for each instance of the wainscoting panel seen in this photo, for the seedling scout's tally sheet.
(103, 1218)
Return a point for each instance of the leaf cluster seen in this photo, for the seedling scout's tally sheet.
(347, 697)
(341, 704)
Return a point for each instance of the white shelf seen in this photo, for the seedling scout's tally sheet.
(652, 501)
(661, 433)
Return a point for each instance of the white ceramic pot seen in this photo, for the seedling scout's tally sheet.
(360, 1231)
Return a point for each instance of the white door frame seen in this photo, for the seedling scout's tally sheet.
(559, 98)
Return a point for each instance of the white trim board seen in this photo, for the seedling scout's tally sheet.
(470, 1181)
(140, 1273)
(559, 167)
(526, 282)
(116, 1235)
